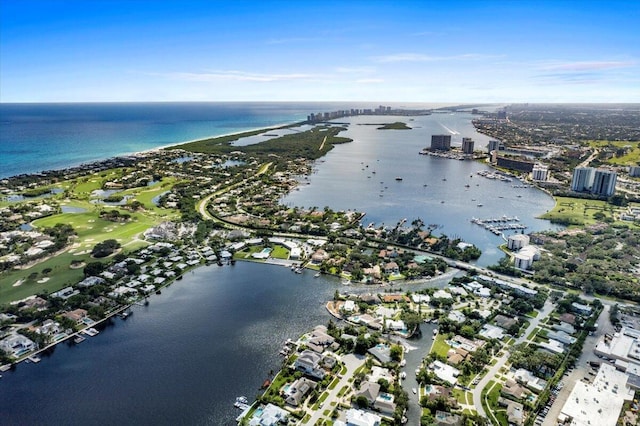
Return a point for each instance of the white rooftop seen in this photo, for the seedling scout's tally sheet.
(598, 403)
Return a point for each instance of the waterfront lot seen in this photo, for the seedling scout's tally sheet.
(584, 211)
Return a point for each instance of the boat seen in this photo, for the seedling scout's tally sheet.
(266, 383)
(90, 331)
(79, 339)
(467, 186)
(414, 390)
(398, 178)
(479, 204)
(316, 275)
(242, 400)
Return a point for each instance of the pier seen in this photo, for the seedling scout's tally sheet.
(499, 224)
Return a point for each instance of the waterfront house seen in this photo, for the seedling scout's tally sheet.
(296, 392)
(445, 372)
(269, 415)
(381, 352)
(369, 390)
(319, 340)
(309, 363)
(76, 315)
(384, 403)
(17, 345)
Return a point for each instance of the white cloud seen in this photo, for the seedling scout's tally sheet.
(370, 81)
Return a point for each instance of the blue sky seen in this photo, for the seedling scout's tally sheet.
(387, 51)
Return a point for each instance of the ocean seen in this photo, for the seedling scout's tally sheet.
(216, 334)
(37, 137)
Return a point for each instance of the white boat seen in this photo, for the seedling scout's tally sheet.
(317, 275)
(414, 390)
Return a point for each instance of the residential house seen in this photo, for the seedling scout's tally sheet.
(444, 418)
(309, 363)
(515, 411)
(504, 322)
(391, 268)
(297, 391)
(17, 345)
(385, 403)
(369, 390)
(76, 315)
(271, 415)
(512, 389)
(361, 418)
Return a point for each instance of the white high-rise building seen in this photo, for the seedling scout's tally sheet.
(540, 172)
(582, 179)
(604, 183)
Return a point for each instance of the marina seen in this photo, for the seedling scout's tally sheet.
(499, 224)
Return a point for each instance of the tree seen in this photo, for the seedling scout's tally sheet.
(395, 352)
(93, 268)
(105, 248)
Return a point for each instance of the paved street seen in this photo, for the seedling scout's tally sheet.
(352, 362)
(533, 323)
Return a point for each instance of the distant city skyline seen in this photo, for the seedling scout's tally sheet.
(373, 51)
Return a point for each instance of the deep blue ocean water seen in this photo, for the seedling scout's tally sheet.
(37, 137)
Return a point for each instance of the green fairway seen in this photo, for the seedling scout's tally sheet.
(630, 158)
(578, 211)
(90, 229)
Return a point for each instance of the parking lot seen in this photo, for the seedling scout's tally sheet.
(583, 370)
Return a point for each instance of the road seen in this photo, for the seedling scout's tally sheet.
(533, 323)
(202, 205)
(352, 362)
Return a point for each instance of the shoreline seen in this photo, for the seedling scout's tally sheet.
(174, 145)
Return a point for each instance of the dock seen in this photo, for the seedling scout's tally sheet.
(499, 224)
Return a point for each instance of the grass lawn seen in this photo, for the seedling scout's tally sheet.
(631, 158)
(581, 211)
(90, 230)
(532, 314)
(440, 347)
(280, 252)
(533, 333)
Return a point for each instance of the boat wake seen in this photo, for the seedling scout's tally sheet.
(453, 132)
